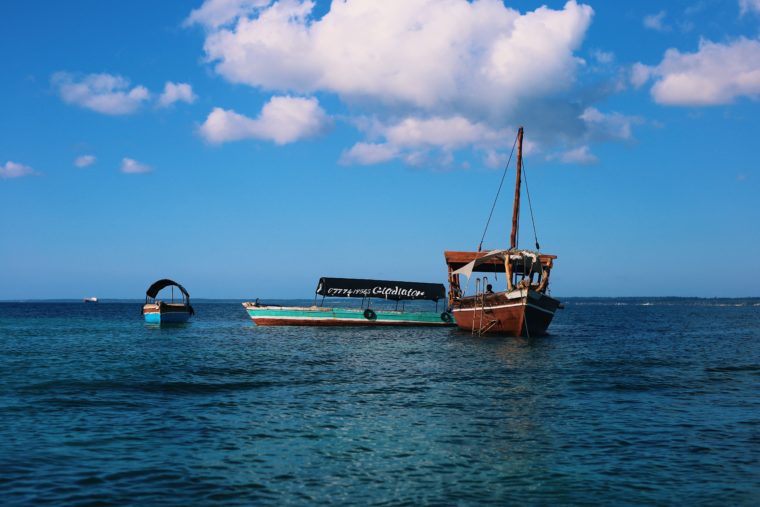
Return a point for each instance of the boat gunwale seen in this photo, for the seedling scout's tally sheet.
(250, 306)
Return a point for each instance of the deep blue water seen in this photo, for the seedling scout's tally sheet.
(634, 401)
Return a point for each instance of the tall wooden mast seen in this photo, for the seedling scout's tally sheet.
(516, 208)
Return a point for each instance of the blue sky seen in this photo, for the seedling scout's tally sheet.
(245, 148)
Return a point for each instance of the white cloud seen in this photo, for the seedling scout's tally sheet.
(14, 170)
(214, 13)
(448, 133)
(580, 155)
(495, 159)
(603, 57)
(282, 120)
(434, 55)
(368, 153)
(599, 127)
(656, 22)
(437, 76)
(715, 74)
(696, 8)
(104, 93)
(131, 166)
(176, 92)
(609, 126)
(640, 74)
(746, 6)
(84, 160)
(414, 140)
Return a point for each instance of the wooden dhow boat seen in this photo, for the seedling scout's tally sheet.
(368, 291)
(525, 308)
(156, 311)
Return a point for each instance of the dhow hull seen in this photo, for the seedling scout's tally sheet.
(516, 313)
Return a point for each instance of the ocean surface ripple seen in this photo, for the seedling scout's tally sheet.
(629, 401)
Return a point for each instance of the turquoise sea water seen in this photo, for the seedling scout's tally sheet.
(634, 401)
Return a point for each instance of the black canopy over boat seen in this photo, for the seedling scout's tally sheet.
(154, 289)
(384, 289)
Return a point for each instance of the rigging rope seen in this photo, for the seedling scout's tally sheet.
(480, 245)
(530, 206)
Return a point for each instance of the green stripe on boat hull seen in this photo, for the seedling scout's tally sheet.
(316, 316)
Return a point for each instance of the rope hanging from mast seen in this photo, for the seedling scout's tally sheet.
(530, 206)
(480, 245)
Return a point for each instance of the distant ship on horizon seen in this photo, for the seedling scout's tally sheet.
(90, 300)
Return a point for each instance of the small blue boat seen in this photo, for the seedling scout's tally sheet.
(161, 312)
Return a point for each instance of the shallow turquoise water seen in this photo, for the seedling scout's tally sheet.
(627, 402)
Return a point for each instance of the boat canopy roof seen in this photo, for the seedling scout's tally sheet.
(385, 289)
(523, 261)
(154, 289)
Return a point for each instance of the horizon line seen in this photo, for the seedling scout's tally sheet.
(200, 299)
